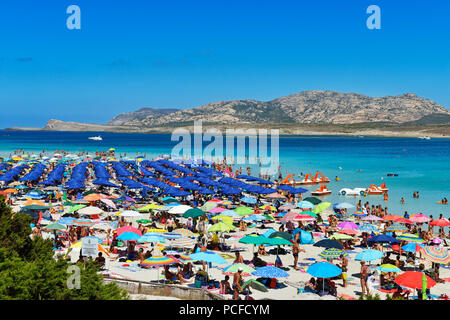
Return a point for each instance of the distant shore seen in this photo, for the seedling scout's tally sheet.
(368, 129)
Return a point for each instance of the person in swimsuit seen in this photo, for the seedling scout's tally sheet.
(343, 266)
(364, 275)
(237, 280)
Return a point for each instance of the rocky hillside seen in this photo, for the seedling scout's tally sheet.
(326, 107)
(139, 115)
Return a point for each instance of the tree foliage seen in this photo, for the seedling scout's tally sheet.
(28, 269)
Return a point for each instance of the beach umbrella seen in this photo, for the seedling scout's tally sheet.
(217, 210)
(34, 207)
(368, 228)
(223, 218)
(348, 232)
(171, 235)
(436, 254)
(412, 247)
(10, 190)
(255, 285)
(396, 227)
(313, 200)
(267, 217)
(279, 241)
(410, 238)
(328, 243)
(254, 239)
(130, 214)
(391, 217)
(208, 256)
(158, 261)
(388, 268)
(151, 238)
(243, 211)
(414, 280)
(340, 236)
(332, 253)
(305, 204)
(208, 206)
(128, 229)
(79, 245)
(348, 225)
(144, 221)
(403, 220)
(344, 205)
(83, 222)
(440, 223)
(273, 195)
(270, 272)
(290, 206)
(109, 203)
(268, 207)
(221, 227)
(193, 213)
(183, 243)
(233, 268)
(281, 234)
(250, 200)
(382, 238)
(371, 218)
(321, 206)
(93, 197)
(76, 208)
(55, 226)
(34, 202)
(419, 218)
(184, 232)
(90, 211)
(369, 255)
(324, 270)
(130, 236)
(303, 217)
(179, 209)
(360, 214)
(149, 207)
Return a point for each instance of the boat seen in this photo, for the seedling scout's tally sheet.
(308, 179)
(96, 138)
(352, 192)
(425, 138)
(320, 178)
(322, 191)
(375, 190)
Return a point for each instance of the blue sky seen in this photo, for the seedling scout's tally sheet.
(134, 54)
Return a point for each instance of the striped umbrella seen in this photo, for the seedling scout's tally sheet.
(182, 258)
(268, 207)
(158, 261)
(396, 227)
(360, 214)
(410, 238)
(184, 232)
(303, 217)
(368, 228)
(332, 253)
(183, 243)
(371, 218)
(83, 222)
(436, 254)
(171, 235)
(388, 268)
(286, 207)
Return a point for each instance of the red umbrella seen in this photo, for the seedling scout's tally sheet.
(440, 223)
(392, 217)
(403, 220)
(413, 279)
(128, 229)
(348, 231)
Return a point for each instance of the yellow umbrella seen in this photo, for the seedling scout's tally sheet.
(268, 207)
(223, 218)
(34, 202)
(156, 230)
(78, 245)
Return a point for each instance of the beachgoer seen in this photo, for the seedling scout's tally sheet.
(237, 280)
(364, 275)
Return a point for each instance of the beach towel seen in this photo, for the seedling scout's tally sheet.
(346, 296)
(446, 279)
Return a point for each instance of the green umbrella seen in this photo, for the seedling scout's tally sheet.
(255, 285)
(313, 200)
(76, 208)
(55, 226)
(321, 206)
(193, 213)
(279, 241)
(221, 227)
(254, 239)
(144, 221)
(340, 236)
(281, 234)
(267, 217)
(310, 213)
(233, 268)
(243, 211)
(208, 206)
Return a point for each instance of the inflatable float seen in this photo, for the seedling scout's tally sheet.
(322, 191)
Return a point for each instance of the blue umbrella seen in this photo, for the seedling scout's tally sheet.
(270, 272)
(382, 238)
(344, 205)
(369, 255)
(208, 256)
(130, 236)
(171, 235)
(368, 228)
(305, 205)
(324, 270)
(248, 200)
(412, 247)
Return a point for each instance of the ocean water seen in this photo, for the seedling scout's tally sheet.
(421, 165)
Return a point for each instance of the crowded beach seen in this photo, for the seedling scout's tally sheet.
(201, 224)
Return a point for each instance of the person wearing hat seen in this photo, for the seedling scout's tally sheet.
(237, 280)
(364, 275)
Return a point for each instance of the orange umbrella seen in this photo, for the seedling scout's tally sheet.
(93, 197)
(32, 202)
(440, 223)
(413, 279)
(392, 217)
(10, 190)
(348, 231)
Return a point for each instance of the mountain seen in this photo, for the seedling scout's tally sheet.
(141, 114)
(312, 107)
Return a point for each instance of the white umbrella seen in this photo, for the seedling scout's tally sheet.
(130, 213)
(179, 209)
(90, 210)
(109, 203)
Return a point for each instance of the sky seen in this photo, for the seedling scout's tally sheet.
(182, 54)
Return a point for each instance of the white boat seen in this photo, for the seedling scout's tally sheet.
(425, 138)
(97, 138)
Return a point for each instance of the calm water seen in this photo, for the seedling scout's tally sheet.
(422, 165)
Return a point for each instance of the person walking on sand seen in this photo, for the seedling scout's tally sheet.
(237, 279)
(364, 275)
(295, 250)
(343, 266)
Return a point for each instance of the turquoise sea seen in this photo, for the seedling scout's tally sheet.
(421, 165)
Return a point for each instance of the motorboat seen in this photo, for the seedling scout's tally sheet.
(425, 137)
(96, 138)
